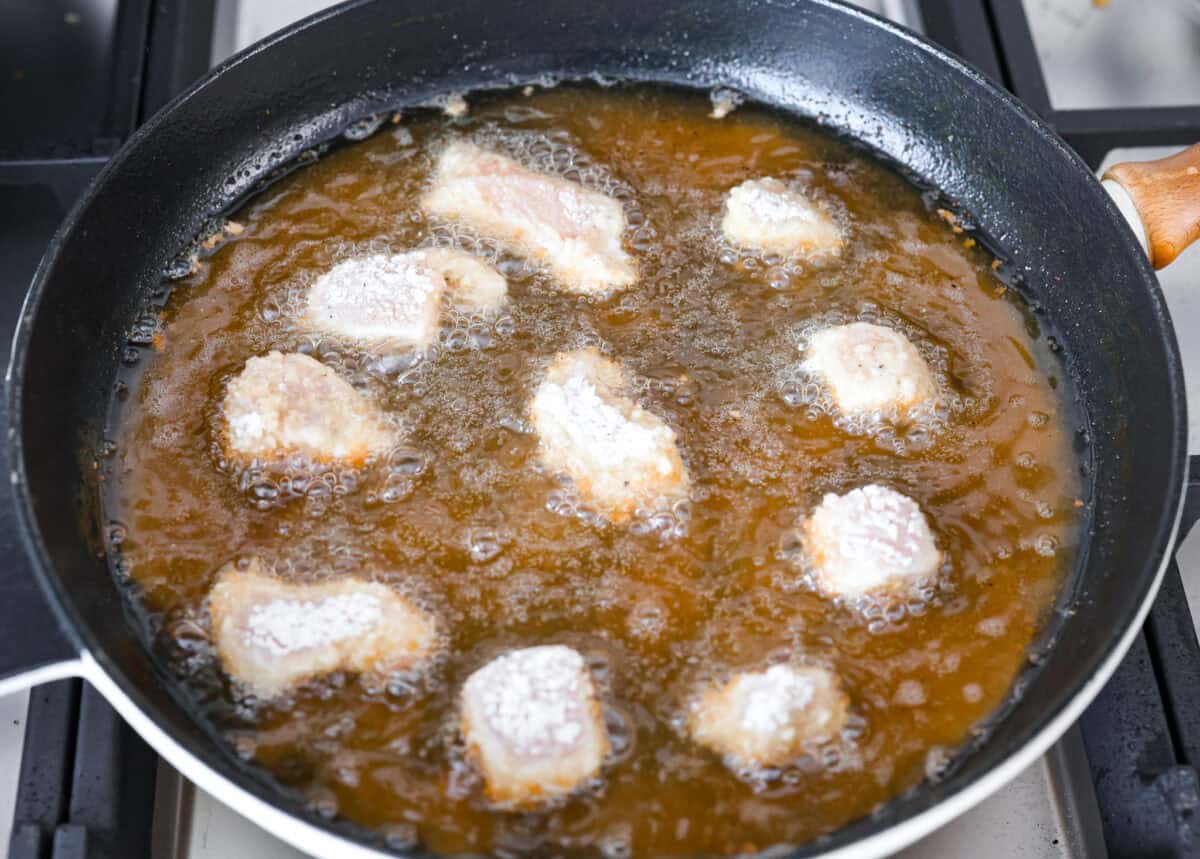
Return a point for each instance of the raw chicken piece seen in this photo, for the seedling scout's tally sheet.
(272, 635)
(533, 725)
(397, 298)
(573, 231)
(870, 368)
(768, 718)
(619, 456)
(378, 298)
(871, 540)
(766, 215)
(471, 283)
(283, 404)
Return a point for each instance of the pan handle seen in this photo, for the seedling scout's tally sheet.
(1162, 198)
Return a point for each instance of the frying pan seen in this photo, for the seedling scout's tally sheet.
(1026, 195)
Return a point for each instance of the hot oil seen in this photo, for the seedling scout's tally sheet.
(461, 517)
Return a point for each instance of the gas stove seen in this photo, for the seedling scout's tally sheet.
(1119, 80)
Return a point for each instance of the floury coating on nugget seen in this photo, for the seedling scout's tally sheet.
(619, 456)
(533, 725)
(286, 404)
(767, 718)
(766, 215)
(272, 635)
(870, 368)
(869, 541)
(397, 299)
(574, 231)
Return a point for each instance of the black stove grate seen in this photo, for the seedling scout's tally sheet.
(1093, 133)
(87, 782)
(995, 37)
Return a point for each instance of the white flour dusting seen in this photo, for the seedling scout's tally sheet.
(767, 718)
(772, 700)
(583, 212)
(378, 296)
(535, 701)
(767, 215)
(293, 403)
(285, 626)
(869, 368)
(869, 538)
(770, 200)
(599, 427)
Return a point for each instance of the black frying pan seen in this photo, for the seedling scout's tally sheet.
(1034, 202)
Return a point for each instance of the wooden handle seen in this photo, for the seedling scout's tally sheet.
(1167, 196)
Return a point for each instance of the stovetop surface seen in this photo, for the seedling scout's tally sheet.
(1129, 53)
